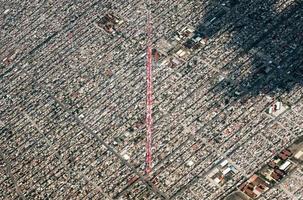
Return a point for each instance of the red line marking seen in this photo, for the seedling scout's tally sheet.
(149, 97)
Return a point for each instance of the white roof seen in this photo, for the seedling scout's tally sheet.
(298, 155)
(126, 157)
(127, 134)
(217, 180)
(284, 165)
(226, 171)
(213, 172)
(223, 163)
(189, 163)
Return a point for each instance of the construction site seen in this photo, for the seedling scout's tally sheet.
(151, 99)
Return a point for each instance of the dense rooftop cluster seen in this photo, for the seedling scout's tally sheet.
(72, 100)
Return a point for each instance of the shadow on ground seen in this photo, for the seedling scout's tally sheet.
(271, 31)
